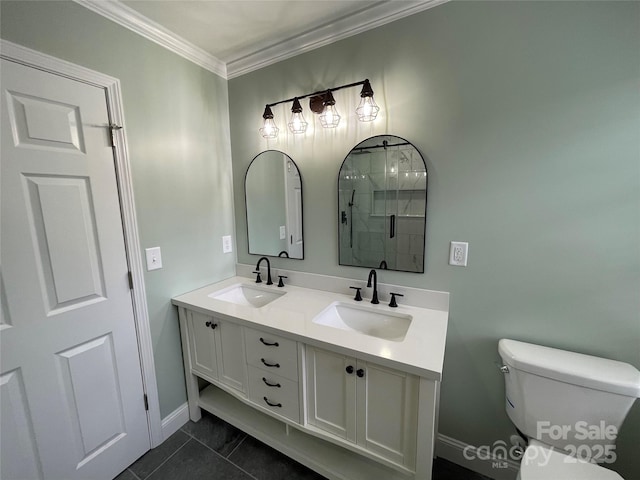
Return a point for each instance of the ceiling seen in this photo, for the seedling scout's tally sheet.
(233, 37)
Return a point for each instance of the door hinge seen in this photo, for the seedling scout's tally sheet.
(146, 402)
(130, 276)
(112, 129)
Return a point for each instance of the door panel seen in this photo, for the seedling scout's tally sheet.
(41, 122)
(331, 393)
(94, 406)
(57, 206)
(69, 353)
(202, 344)
(387, 413)
(232, 366)
(21, 458)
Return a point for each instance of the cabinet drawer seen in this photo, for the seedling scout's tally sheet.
(272, 353)
(274, 393)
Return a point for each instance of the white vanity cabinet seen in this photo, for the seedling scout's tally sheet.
(348, 408)
(369, 405)
(217, 350)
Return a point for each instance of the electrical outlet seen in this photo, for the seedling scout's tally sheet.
(458, 254)
(283, 232)
(226, 244)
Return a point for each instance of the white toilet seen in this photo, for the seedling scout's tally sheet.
(569, 406)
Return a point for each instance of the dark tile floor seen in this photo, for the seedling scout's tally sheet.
(213, 449)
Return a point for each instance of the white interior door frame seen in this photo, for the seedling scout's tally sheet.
(47, 63)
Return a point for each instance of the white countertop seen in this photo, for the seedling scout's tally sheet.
(421, 352)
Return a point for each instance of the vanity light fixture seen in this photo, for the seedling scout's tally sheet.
(297, 123)
(322, 103)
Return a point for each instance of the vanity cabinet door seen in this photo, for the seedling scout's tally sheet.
(387, 411)
(373, 406)
(230, 357)
(202, 345)
(331, 392)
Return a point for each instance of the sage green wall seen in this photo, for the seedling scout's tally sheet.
(528, 116)
(176, 115)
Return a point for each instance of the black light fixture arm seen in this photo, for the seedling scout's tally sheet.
(321, 92)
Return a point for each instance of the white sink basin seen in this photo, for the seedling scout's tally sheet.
(360, 318)
(247, 295)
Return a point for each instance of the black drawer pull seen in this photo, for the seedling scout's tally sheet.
(274, 344)
(279, 405)
(273, 365)
(360, 372)
(270, 384)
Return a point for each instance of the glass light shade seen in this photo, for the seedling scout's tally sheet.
(367, 110)
(329, 118)
(269, 130)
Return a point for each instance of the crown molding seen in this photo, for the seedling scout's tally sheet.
(380, 14)
(138, 23)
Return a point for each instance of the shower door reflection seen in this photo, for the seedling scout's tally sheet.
(382, 193)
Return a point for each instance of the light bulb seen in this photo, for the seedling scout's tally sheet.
(269, 128)
(367, 110)
(329, 118)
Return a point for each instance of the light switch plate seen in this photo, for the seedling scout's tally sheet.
(154, 258)
(226, 244)
(283, 232)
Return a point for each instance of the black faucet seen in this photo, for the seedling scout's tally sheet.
(269, 282)
(374, 298)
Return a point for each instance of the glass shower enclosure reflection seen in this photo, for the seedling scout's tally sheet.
(382, 197)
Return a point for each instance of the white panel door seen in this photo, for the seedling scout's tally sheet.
(71, 385)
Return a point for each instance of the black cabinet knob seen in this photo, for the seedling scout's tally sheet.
(349, 369)
(360, 372)
(208, 324)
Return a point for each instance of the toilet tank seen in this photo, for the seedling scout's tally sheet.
(568, 400)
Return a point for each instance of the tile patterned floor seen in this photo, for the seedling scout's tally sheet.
(213, 449)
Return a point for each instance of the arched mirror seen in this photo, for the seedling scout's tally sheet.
(273, 195)
(382, 201)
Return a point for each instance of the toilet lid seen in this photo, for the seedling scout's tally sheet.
(543, 463)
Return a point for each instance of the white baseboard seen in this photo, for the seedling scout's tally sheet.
(454, 451)
(175, 420)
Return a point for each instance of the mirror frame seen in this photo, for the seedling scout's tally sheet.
(358, 146)
(246, 207)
